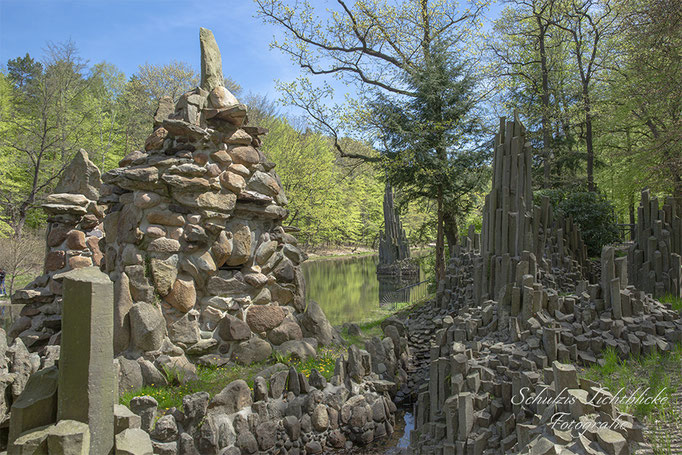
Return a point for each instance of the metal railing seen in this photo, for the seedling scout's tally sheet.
(626, 232)
(406, 294)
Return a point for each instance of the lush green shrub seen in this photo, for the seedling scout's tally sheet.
(592, 212)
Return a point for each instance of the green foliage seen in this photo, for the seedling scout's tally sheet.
(592, 212)
(676, 302)
(328, 201)
(654, 375)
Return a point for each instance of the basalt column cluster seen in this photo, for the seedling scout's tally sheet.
(521, 243)
(488, 355)
(654, 259)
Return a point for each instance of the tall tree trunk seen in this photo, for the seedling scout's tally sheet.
(588, 139)
(546, 133)
(451, 231)
(440, 240)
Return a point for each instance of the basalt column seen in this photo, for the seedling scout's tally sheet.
(394, 251)
(654, 259)
(507, 242)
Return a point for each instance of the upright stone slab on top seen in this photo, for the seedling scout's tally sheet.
(86, 370)
(211, 61)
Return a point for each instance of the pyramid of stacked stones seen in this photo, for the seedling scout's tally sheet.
(501, 374)
(654, 258)
(393, 246)
(195, 243)
(74, 231)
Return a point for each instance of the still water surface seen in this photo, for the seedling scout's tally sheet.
(348, 289)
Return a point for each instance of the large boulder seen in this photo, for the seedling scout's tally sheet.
(315, 324)
(251, 351)
(232, 329)
(264, 318)
(298, 349)
(37, 404)
(234, 397)
(147, 326)
(133, 441)
(183, 295)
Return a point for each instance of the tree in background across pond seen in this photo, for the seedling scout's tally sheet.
(430, 144)
(376, 47)
(331, 201)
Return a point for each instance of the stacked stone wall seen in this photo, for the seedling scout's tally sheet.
(73, 235)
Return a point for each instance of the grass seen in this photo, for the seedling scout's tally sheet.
(651, 373)
(214, 379)
(676, 302)
(372, 326)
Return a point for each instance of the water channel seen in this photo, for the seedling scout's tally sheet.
(348, 290)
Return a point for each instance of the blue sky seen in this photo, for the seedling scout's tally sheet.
(129, 33)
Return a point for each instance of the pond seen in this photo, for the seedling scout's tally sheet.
(348, 289)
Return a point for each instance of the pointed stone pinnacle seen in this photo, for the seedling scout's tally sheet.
(211, 62)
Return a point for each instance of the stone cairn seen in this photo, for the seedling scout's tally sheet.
(654, 258)
(74, 230)
(394, 251)
(500, 377)
(195, 243)
(202, 269)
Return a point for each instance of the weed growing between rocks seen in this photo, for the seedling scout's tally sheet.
(213, 379)
(676, 302)
(654, 375)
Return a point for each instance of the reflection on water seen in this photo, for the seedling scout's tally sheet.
(348, 289)
(409, 426)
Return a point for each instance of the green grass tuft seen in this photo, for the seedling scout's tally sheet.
(214, 379)
(676, 302)
(647, 373)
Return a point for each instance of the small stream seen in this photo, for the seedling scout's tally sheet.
(348, 290)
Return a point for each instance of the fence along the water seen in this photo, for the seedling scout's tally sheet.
(407, 294)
